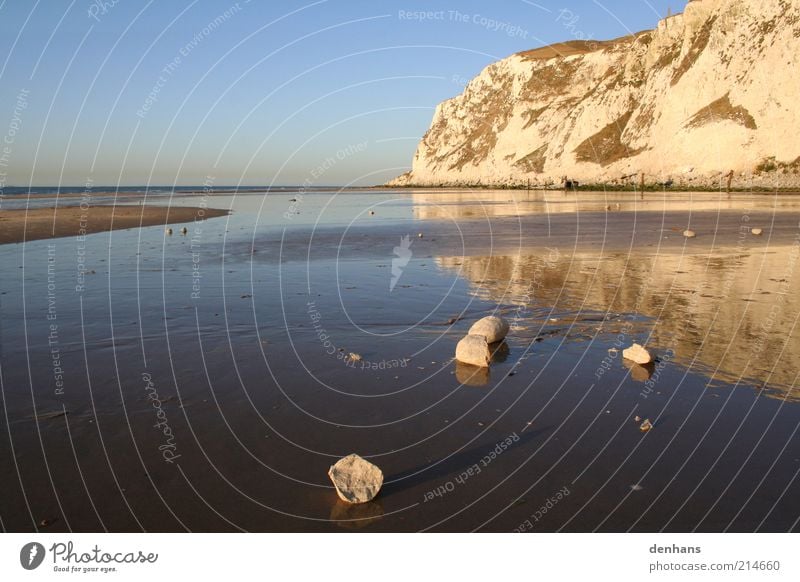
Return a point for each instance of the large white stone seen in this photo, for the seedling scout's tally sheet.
(474, 350)
(356, 480)
(493, 328)
(637, 354)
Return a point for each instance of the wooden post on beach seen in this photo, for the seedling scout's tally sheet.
(529, 186)
(641, 185)
(730, 179)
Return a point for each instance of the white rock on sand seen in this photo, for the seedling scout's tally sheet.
(637, 354)
(757, 232)
(356, 480)
(494, 329)
(474, 350)
(689, 233)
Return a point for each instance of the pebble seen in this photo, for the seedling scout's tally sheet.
(356, 480)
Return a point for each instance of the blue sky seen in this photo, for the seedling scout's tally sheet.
(323, 92)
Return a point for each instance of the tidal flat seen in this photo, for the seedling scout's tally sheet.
(206, 381)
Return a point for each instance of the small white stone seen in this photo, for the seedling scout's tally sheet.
(689, 234)
(757, 232)
(356, 480)
(638, 354)
(494, 329)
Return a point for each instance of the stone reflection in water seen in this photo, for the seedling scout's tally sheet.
(639, 372)
(729, 314)
(356, 516)
(471, 375)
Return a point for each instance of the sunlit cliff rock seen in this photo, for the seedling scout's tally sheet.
(710, 91)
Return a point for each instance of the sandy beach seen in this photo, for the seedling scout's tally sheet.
(18, 226)
(356, 268)
(204, 382)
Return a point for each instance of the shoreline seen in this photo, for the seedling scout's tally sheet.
(250, 324)
(587, 188)
(19, 226)
(597, 188)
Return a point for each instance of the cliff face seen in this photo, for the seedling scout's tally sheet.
(713, 90)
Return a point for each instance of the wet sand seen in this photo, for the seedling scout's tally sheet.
(46, 223)
(200, 382)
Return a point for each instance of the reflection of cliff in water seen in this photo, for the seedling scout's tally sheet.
(450, 205)
(729, 316)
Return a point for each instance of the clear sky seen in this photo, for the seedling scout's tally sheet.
(324, 92)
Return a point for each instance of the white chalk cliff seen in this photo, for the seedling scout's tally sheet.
(709, 91)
